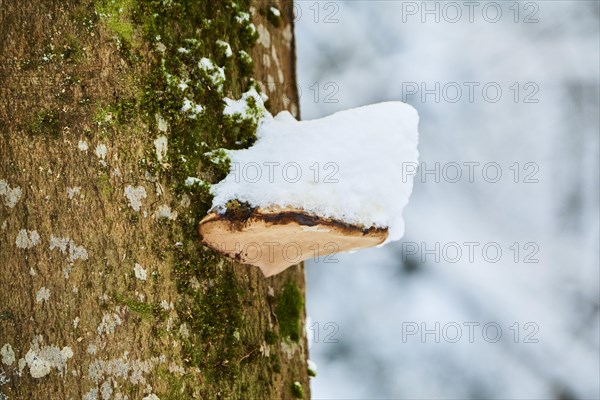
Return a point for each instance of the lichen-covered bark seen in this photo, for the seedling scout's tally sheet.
(105, 290)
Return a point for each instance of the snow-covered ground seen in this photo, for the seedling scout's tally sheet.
(528, 330)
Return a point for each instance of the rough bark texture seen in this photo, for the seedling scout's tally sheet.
(105, 291)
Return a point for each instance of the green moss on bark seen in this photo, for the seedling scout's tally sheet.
(290, 304)
(173, 37)
(164, 43)
(46, 122)
(297, 390)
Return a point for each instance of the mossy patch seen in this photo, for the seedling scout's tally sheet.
(117, 14)
(172, 38)
(144, 310)
(72, 51)
(271, 337)
(214, 318)
(290, 304)
(106, 189)
(118, 112)
(297, 390)
(238, 211)
(275, 364)
(46, 122)
(272, 13)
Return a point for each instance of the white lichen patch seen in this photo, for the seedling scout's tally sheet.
(60, 243)
(8, 354)
(66, 352)
(170, 323)
(140, 272)
(226, 48)
(161, 123)
(266, 61)
(101, 151)
(92, 349)
(185, 201)
(264, 349)
(122, 369)
(42, 295)
(264, 37)
(287, 35)
(176, 369)
(92, 394)
(3, 381)
(275, 57)
(151, 396)
(76, 322)
(289, 349)
(271, 84)
(73, 191)
(135, 195)
(195, 284)
(161, 147)
(106, 390)
(166, 305)
(184, 331)
(165, 212)
(11, 195)
(21, 364)
(77, 252)
(42, 359)
(109, 323)
(82, 145)
(27, 239)
(68, 246)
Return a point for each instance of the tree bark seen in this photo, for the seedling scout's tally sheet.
(105, 290)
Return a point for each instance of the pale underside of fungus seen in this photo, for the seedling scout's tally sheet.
(307, 189)
(274, 239)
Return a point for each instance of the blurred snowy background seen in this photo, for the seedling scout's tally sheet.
(368, 311)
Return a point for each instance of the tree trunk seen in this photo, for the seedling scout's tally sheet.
(105, 290)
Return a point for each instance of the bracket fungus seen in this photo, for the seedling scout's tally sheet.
(313, 188)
